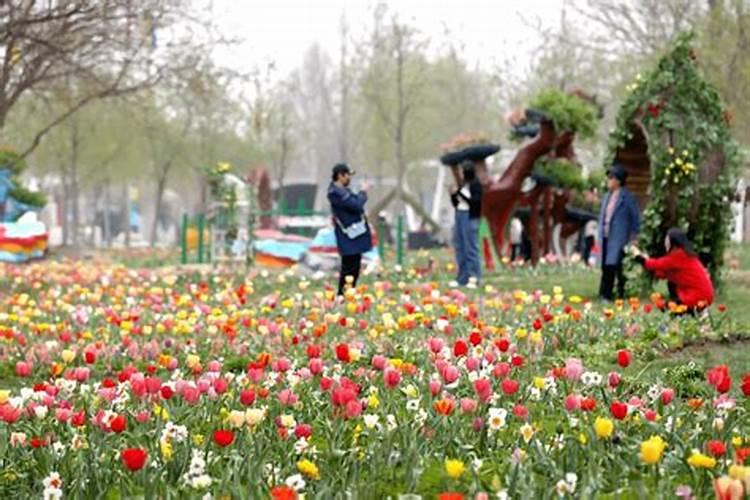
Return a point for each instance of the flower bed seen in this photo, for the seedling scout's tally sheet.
(122, 382)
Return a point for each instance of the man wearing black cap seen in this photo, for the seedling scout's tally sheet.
(353, 236)
(619, 223)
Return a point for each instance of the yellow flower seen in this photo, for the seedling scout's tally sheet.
(192, 361)
(539, 383)
(236, 418)
(521, 333)
(699, 460)
(454, 468)
(527, 431)
(652, 449)
(535, 338)
(739, 472)
(309, 469)
(604, 427)
(67, 356)
(736, 440)
(373, 401)
(582, 438)
(198, 439)
(4, 395)
(166, 449)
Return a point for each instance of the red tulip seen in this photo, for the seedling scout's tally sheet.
(509, 386)
(118, 424)
(313, 351)
(303, 431)
(667, 395)
(450, 495)
(614, 379)
(623, 358)
(475, 338)
(588, 404)
(342, 353)
(283, 493)
(460, 348)
(166, 392)
(392, 377)
(223, 437)
(247, 397)
(517, 361)
(89, 357)
(619, 410)
(134, 458)
(716, 448)
(483, 388)
(746, 385)
(719, 378)
(503, 345)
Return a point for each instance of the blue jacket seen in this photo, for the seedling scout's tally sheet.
(349, 208)
(624, 226)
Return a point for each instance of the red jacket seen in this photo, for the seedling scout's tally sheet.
(687, 273)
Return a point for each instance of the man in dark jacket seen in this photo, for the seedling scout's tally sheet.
(619, 223)
(467, 200)
(353, 236)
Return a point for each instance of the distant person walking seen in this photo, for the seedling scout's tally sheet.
(353, 237)
(619, 223)
(467, 200)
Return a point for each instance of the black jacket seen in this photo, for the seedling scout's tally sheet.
(474, 200)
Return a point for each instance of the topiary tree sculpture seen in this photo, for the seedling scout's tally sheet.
(15, 199)
(672, 136)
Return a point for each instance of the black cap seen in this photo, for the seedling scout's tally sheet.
(618, 172)
(340, 169)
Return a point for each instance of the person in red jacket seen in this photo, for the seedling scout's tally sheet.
(688, 281)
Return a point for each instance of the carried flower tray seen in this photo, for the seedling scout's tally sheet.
(473, 153)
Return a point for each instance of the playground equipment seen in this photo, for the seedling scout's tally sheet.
(22, 235)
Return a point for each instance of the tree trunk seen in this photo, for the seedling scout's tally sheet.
(64, 206)
(126, 213)
(161, 184)
(107, 221)
(74, 184)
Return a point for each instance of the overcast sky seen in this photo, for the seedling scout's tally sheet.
(492, 31)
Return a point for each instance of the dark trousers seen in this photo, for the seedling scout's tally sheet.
(515, 251)
(588, 244)
(610, 274)
(350, 265)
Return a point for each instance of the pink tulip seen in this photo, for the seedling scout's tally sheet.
(63, 414)
(191, 395)
(316, 366)
(478, 424)
(501, 370)
(667, 395)
(220, 386)
(214, 366)
(173, 364)
(450, 374)
(468, 405)
(435, 386)
(353, 409)
(23, 369)
(436, 345)
(379, 362)
(614, 379)
(287, 397)
(82, 374)
(204, 385)
(573, 402)
(483, 388)
(573, 369)
(153, 385)
(281, 365)
(138, 387)
(256, 375)
(473, 364)
(143, 416)
(521, 412)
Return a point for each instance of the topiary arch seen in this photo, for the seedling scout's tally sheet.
(672, 136)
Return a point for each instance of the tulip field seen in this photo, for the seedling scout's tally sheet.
(126, 382)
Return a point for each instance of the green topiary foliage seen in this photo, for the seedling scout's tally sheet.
(569, 112)
(15, 163)
(692, 155)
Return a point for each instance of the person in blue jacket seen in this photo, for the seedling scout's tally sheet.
(619, 223)
(353, 237)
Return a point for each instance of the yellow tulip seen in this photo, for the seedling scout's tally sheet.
(604, 427)
(652, 449)
(68, 356)
(699, 460)
(454, 468)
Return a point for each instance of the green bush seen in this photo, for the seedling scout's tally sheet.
(568, 112)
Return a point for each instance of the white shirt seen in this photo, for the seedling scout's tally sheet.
(462, 203)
